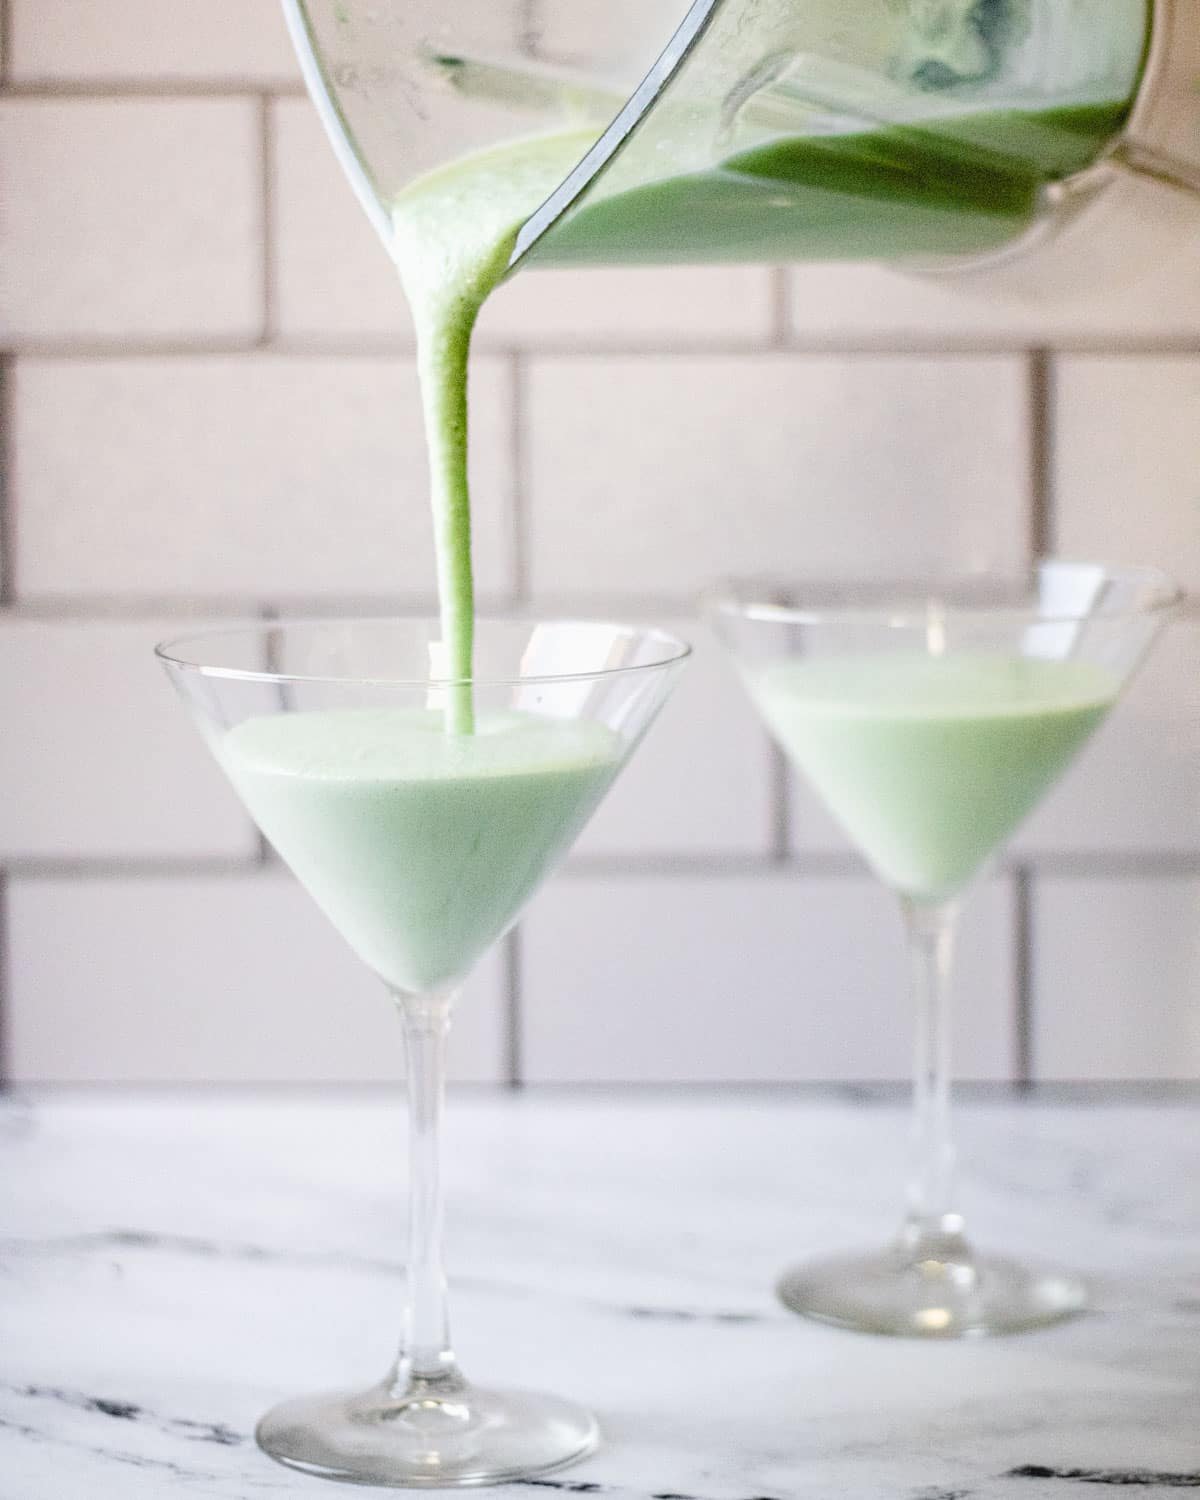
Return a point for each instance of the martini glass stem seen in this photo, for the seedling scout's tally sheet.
(426, 1361)
(932, 1228)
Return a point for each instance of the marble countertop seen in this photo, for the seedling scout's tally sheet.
(171, 1266)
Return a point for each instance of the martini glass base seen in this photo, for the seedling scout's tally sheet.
(426, 1441)
(888, 1292)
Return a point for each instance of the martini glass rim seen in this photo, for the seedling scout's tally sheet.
(751, 599)
(175, 652)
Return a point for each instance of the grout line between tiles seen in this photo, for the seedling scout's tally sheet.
(528, 27)
(1136, 864)
(118, 88)
(1041, 453)
(272, 662)
(709, 866)
(264, 853)
(126, 609)
(514, 1060)
(6, 44)
(780, 331)
(131, 608)
(831, 864)
(8, 527)
(836, 864)
(861, 1093)
(125, 867)
(520, 496)
(5, 983)
(109, 352)
(782, 803)
(267, 211)
(1023, 1059)
(885, 347)
(576, 347)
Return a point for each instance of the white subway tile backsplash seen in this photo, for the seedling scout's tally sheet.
(333, 279)
(654, 476)
(624, 35)
(645, 440)
(131, 219)
(1117, 978)
(225, 979)
(149, 40)
(812, 828)
(700, 782)
(767, 977)
(257, 476)
(1136, 787)
(622, 308)
(1126, 477)
(101, 760)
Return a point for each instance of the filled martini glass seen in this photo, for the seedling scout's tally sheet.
(422, 844)
(931, 721)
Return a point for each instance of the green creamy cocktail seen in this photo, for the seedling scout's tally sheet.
(930, 762)
(930, 720)
(420, 847)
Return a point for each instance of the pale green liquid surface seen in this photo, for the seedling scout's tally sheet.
(420, 847)
(929, 763)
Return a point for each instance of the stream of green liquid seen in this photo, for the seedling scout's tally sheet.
(960, 185)
(454, 232)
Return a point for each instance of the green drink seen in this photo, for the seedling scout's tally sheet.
(930, 762)
(955, 185)
(420, 847)
(930, 719)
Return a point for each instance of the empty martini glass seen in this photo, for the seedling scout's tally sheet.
(422, 847)
(931, 721)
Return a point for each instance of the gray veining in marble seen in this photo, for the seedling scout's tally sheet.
(169, 1268)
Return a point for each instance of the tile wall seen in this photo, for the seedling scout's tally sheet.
(209, 409)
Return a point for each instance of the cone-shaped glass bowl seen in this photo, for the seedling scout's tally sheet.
(931, 721)
(422, 847)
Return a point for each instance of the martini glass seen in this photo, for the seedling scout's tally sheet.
(931, 721)
(422, 847)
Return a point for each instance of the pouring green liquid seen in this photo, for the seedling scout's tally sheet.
(454, 234)
(419, 846)
(961, 184)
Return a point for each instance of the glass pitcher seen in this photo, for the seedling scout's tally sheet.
(935, 132)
